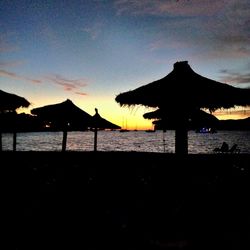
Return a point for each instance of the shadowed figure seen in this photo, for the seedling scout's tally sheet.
(234, 149)
(225, 148)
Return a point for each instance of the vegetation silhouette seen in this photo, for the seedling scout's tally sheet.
(184, 91)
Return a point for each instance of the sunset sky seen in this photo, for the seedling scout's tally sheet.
(89, 51)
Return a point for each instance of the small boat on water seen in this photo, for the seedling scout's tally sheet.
(205, 130)
(124, 130)
(150, 130)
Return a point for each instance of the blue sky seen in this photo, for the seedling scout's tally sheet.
(90, 51)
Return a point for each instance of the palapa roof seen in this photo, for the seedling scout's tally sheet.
(183, 88)
(10, 102)
(196, 118)
(101, 123)
(159, 114)
(65, 111)
(194, 115)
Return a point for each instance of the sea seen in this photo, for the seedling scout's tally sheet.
(139, 141)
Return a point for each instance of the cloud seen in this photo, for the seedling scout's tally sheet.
(94, 30)
(233, 113)
(72, 85)
(10, 64)
(68, 84)
(163, 43)
(51, 37)
(215, 28)
(81, 93)
(235, 77)
(6, 46)
(225, 52)
(169, 7)
(232, 26)
(5, 73)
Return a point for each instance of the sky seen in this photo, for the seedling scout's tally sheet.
(91, 51)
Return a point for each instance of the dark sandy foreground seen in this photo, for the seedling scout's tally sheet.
(125, 200)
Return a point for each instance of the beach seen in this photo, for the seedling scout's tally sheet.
(125, 200)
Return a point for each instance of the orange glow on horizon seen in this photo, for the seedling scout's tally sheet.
(231, 116)
(130, 118)
(234, 113)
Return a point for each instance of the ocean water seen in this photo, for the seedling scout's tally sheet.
(140, 141)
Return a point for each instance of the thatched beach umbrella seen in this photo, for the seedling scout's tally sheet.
(183, 91)
(100, 123)
(64, 116)
(196, 119)
(8, 104)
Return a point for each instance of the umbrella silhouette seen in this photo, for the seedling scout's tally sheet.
(100, 123)
(196, 119)
(183, 91)
(64, 116)
(8, 104)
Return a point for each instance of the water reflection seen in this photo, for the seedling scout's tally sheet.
(133, 141)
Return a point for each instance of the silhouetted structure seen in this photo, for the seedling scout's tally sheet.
(8, 104)
(196, 120)
(63, 116)
(240, 124)
(11, 121)
(100, 123)
(198, 92)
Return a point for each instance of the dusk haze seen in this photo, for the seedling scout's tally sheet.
(90, 51)
(125, 124)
